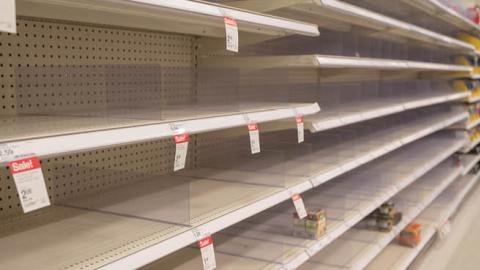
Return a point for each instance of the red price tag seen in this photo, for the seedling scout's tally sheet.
(181, 148)
(208, 253)
(254, 137)
(300, 128)
(299, 205)
(231, 31)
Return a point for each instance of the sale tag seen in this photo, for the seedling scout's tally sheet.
(181, 148)
(254, 138)
(300, 128)
(30, 184)
(299, 206)
(208, 253)
(8, 21)
(231, 30)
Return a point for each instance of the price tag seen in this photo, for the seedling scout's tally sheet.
(299, 205)
(231, 30)
(254, 137)
(30, 184)
(7, 16)
(208, 253)
(7, 152)
(181, 148)
(300, 128)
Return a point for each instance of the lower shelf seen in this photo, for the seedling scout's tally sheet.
(356, 248)
(265, 242)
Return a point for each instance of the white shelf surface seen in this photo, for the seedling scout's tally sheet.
(467, 125)
(468, 161)
(266, 238)
(474, 99)
(179, 16)
(356, 248)
(319, 11)
(47, 135)
(438, 9)
(448, 202)
(469, 146)
(152, 239)
(397, 257)
(346, 114)
(326, 61)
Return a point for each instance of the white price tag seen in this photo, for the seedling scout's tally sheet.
(300, 128)
(299, 205)
(181, 148)
(7, 152)
(8, 21)
(208, 253)
(254, 137)
(231, 30)
(30, 184)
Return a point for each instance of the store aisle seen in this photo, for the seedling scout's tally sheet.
(460, 250)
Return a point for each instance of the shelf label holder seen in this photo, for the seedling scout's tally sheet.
(8, 17)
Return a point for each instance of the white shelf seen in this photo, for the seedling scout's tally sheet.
(323, 11)
(325, 61)
(448, 202)
(467, 125)
(47, 135)
(179, 16)
(468, 161)
(397, 257)
(445, 13)
(469, 146)
(473, 99)
(151, 240)
(360, 246)
(347, 200)
(354, 112)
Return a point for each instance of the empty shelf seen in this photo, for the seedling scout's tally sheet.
(47, 135)
(156, 235)
(468, 162)
(469, 146)
(438, 9)
(180, 16)
(323, 12)
(266, 238)
(362, 246)
(448, 202)
(398, 257)
(354, 112)
(325, 61)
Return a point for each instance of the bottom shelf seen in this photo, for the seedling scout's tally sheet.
(397, 257)
(356, 248)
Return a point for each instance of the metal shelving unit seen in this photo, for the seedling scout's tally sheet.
(97, 90)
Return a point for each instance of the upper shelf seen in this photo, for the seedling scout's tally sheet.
(323, 11)
(325, 61)
(179, 16)
(445, 13)
(47, 135)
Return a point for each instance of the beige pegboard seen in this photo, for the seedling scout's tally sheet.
(60, 68)
(49, 67)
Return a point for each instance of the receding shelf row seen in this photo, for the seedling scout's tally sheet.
(180, 16)
(267, 240)
(441, 11)
(360, 246)
(151, 227)
(326, 61)
(398, 257)
(47, 135)
(468, 162)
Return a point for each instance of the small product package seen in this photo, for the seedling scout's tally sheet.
(410, 235)
(313, 226)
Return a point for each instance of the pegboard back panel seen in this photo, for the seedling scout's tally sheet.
(84, 173)
(51, 67)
